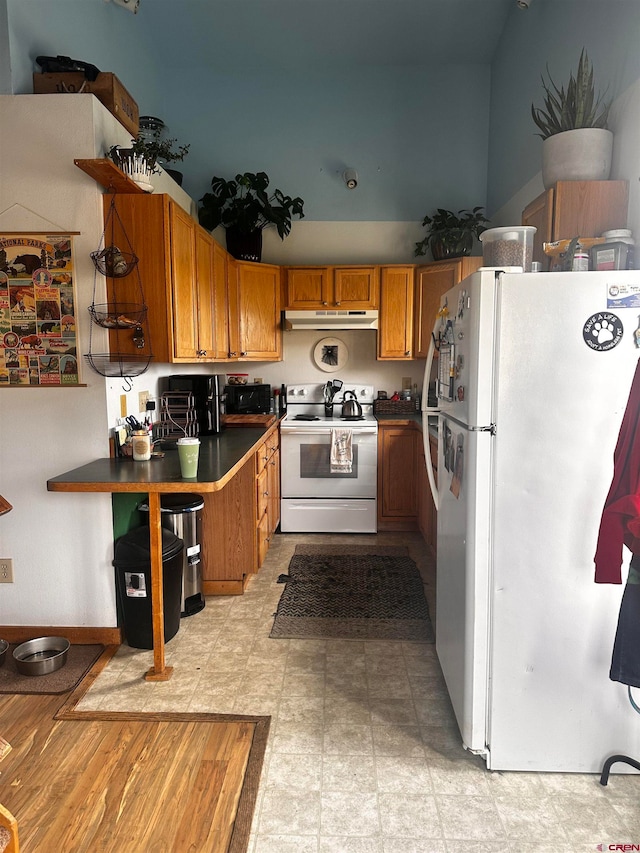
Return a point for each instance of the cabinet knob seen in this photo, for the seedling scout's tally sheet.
(266, 494)
(243, 353)
(202, 352)
(325, 303)
(233, 354)
(338, 303)
(406, 352)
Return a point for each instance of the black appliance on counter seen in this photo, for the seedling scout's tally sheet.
(208, 392)
(248, 399)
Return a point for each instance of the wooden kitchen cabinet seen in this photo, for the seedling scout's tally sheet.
(397, 476)
(175, 270)
(346, 287)
(431, 281)
(267, 461)
(253, 301)
(395, 324)
(229, 534)
(576, 209)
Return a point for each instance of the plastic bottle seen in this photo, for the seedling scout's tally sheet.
(580, 259)
(283, 398)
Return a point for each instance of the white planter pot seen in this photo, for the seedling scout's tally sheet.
(577, 155)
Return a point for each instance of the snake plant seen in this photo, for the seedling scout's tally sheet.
(574, 108)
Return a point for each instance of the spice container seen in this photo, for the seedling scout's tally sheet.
(612, 256)
(508, 247)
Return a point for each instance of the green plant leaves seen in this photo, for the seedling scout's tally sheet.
(575, 107)
(452, 227)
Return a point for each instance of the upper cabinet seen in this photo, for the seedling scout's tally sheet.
(576, 209)
(432, 280)
(395, 324)
(255, 332)
(345, 287)
(202, 304)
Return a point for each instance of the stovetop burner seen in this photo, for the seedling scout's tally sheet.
(306, 418)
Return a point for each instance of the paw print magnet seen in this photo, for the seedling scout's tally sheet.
(602, 331)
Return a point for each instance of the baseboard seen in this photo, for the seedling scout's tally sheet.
(78, 636)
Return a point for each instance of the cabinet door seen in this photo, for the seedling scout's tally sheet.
(397, 477)
(233, 308)
(220, 303)
(260, 335)
(143, 223)
(395, 332)
(307, 288)
(183, 272)
(205, 272)
(355, 287)
(432, 281)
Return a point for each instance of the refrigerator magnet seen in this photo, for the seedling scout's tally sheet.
(602, 331)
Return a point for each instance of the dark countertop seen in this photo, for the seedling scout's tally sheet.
(221, 456)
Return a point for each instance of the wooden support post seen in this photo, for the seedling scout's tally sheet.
(159, 672)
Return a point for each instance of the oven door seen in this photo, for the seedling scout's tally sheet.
(306, 469)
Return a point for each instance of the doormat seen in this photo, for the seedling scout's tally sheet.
(352, 592)
(80, 659)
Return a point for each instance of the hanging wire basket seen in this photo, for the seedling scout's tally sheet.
(118, 364)
(118, 315)
(113, 262)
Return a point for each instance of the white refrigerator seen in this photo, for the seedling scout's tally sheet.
(533, 377)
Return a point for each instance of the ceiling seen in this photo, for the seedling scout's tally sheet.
(304, 35)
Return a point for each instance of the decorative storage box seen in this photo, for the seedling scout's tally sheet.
(393, 407)
(106, 87)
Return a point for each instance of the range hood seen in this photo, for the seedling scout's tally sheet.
(330, 320)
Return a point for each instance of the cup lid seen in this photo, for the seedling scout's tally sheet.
(186, 440)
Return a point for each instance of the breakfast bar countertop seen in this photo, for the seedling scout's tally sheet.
(220, 457)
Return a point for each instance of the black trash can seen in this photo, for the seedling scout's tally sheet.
(181, 513)
(132, 560)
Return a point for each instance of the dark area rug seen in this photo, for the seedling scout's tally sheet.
(80, 659)
(352, 592)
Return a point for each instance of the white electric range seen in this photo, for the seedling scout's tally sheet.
(317, 498)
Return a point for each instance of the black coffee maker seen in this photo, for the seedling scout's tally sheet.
(208, 393)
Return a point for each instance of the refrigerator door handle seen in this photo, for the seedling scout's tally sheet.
(427, 461)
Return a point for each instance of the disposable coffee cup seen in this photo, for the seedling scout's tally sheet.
(188, 451)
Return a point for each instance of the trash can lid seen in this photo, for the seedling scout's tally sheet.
(134, 548)
(177, 502)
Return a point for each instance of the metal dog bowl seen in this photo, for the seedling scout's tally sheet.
(41, 656)
(4, 645)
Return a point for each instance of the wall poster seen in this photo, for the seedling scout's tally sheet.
(38, 333)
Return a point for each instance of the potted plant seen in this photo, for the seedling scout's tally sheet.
(450, 235)
(244, 206)
(141, 159)
(577, 144)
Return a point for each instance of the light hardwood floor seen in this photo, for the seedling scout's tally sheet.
(134, 782)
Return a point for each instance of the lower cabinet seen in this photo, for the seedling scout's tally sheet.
(238, 522)
(267, 460)
(229, 534)
(397, 476)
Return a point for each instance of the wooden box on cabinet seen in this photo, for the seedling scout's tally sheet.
(432, 280)
(576, 209)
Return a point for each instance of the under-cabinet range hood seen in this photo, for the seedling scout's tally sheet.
(330, 319)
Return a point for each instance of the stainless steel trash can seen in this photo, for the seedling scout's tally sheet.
(181, 513)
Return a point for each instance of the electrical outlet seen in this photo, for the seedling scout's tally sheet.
(6, 570)
(143, 398)
(123, 405)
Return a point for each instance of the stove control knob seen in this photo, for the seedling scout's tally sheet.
(304, 392)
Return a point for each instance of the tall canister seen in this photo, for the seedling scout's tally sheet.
(181, 513)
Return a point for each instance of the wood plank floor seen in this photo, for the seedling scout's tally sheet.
(134, 782)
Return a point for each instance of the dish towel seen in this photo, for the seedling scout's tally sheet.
(341, 451)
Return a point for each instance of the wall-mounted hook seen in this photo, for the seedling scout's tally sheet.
(127, 384)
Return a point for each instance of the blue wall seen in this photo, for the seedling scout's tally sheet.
(433, 133)
(552, 32)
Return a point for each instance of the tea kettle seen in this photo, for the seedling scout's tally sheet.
(351, 408)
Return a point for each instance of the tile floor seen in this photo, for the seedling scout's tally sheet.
(364, 755)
